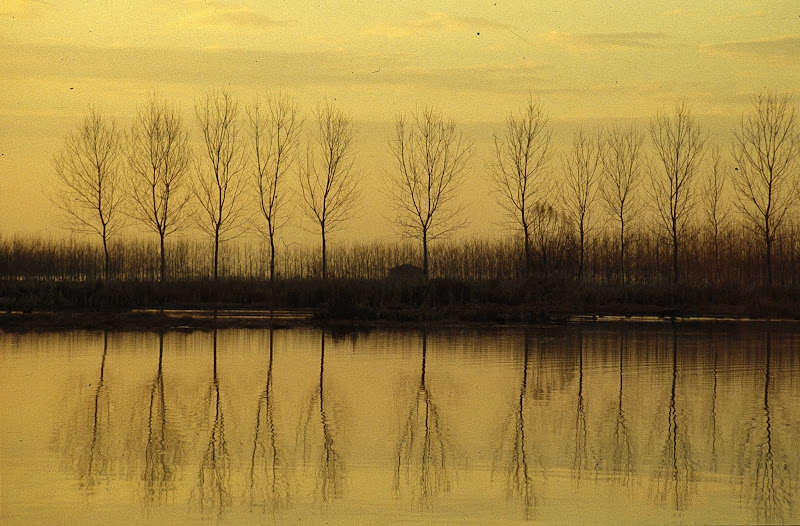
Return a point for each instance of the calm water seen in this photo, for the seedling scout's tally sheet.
(578, 424)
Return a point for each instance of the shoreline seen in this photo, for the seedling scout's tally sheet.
(231, 318)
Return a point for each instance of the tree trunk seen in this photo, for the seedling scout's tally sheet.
(163, 261)
(216, 253)
(675, 258)
(768, 242)
(106, 265)
(581, 253)
(324, 256)
(527, 249)
(271, 258)
(622, 251)
(425, 253)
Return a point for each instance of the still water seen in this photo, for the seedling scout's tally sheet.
(577, 424)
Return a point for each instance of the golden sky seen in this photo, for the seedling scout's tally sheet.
(588, 61)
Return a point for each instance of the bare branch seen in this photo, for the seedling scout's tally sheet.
(678, 145)
(327, 180)
(158, 159)
(765, 151)
(220, 184)
(521, 154)
(275, 136)
(431, 163)
(88, 168)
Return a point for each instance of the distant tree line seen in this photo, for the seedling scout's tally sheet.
(620, 205)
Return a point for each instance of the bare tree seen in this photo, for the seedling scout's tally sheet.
(431, 162)
(90, 172)
(275, 134)
(582, 169)
(766, 149)
(327, 179)
(713, 205)
(220, 182)
(521, 153)
(622, 173)
(678, 145)
(158, 158)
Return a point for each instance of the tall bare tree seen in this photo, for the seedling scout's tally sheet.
(766, 148)
(622, 174)
(90, 172)
(713, 202)
(431, 160)
(327, 179)
(521, 154)
(275, 133)
(678, 144)
(220, 183)
(582, 167)
(159, 157)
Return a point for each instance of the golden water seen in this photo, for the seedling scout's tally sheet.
(571, 425)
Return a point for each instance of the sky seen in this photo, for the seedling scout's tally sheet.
(589, 63)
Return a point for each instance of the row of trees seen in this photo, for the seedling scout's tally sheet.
(152, 174)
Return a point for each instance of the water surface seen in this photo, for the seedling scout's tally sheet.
(577, 424)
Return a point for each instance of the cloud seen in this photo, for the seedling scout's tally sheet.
(588, 42)
(434, 23)
(758, 13)
(21, 8)
(170, 65)
(142, 67)
(232, 18)
(784, 46)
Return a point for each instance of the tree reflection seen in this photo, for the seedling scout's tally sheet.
(581, 454)
(771, 493)
(324, 455)
(214, 476)
(87, 443)
(421, 451)
(675, 466)
(621, 462)
(268, 483)
(163, 450)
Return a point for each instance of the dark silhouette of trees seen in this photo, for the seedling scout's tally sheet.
(678, 145)
(275, 133)
(327, 180)
(766, 149)
(90, 172)
(158, 159)
(521, 153)
(582, 170)
(431, 162)
(622, 174)
(220, 182)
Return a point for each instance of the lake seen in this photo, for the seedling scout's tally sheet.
(573, 424)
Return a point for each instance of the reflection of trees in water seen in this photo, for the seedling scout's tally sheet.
(517, 457)
(324, 455)
(769, 490)
(675, 470)
(268, 483)
(164, 448)
(213, 487)
(581, 454)
(86, 443)
(621, 461)
(421, 450)
(714, 409)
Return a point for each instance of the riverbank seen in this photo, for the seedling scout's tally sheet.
(32, 305)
